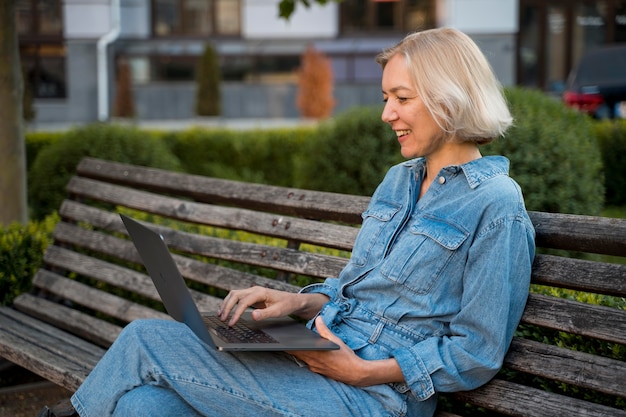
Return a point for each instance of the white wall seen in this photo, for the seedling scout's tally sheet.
(260, 20)
(479, 16)
(86, 19)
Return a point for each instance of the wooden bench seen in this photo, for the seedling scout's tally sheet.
(230, 234)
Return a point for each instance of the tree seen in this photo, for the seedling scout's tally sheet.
(124, 101)
(208, 81)
(287, 7)
(13, 202)
(315, 85)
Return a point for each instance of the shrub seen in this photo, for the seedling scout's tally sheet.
(350, 153)
(21, 253)
(56, 163)
(554, 155)
(611, 136)
(208, 84)
(315, 85)
(268, 156)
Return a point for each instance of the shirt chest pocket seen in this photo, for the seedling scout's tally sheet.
(422, 252)
(374, 232)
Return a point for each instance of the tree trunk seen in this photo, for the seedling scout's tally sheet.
(13, 203)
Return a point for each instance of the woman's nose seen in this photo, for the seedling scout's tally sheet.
(389, 114)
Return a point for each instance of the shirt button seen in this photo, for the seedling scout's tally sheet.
(441, 180)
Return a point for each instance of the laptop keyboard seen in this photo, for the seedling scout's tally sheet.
(239, 333)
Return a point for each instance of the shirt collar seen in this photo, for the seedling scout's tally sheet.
(476, 171)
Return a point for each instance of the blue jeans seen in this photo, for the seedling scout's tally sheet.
(160, 368)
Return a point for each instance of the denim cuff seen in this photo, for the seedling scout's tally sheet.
(323, 288)
(415, 373)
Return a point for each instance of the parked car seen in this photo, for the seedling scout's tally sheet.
(597, 85)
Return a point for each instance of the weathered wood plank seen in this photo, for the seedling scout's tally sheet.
(580, 233)
(69, 319)
(93, 298)
(272, 257)
(518, 400)
(576, 368)
(581, 275)
(274, 225)
(599, 322)
(45, 350)
(290, 201)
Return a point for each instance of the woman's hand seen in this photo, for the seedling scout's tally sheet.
(345, 366)
(269, 303)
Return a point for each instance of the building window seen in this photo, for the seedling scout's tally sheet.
(365, 16)
(195, 18)
(42, 50)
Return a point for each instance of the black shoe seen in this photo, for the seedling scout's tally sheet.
(63, 408)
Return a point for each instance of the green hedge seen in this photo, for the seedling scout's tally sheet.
(611, 137)
(554, 155)
(55, 164)
(21, 253)
(350, 153)
(262, 156)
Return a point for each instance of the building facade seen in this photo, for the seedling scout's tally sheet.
(71, 48)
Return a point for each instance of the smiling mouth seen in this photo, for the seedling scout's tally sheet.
(401, 133)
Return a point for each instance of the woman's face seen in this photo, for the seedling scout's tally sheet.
(418, 133)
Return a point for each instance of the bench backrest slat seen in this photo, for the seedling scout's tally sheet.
(568, 366)
(301, 203)
(590, 320)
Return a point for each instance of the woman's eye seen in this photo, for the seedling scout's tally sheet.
(401, 99)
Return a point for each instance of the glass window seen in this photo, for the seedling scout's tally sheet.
(386, 15)
(24, 17)
(227, 17)
(589, 27)
(620, 21)
(196, 17)
(42, 50)
(50, 19)
(556, 47)
(44, 70)
(528, 48)
(167, 20)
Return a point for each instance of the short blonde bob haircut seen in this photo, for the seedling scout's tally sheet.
(455, 82)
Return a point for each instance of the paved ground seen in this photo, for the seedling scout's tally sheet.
(23, 394)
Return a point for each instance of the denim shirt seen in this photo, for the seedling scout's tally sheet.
(439, 283)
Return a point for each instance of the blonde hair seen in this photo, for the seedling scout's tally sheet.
(455, 82)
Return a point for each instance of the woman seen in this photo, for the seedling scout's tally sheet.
(428, 303)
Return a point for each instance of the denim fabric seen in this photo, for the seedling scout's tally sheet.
(160, 368)
(438, 283)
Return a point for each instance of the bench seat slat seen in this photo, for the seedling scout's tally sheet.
(45, 350)
(518, 400)
(290, 201)
(604, 323)
(86, 326)
(572, 367)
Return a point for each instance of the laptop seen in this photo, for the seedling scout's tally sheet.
(275, 334)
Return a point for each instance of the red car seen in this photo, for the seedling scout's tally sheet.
(597, 85)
